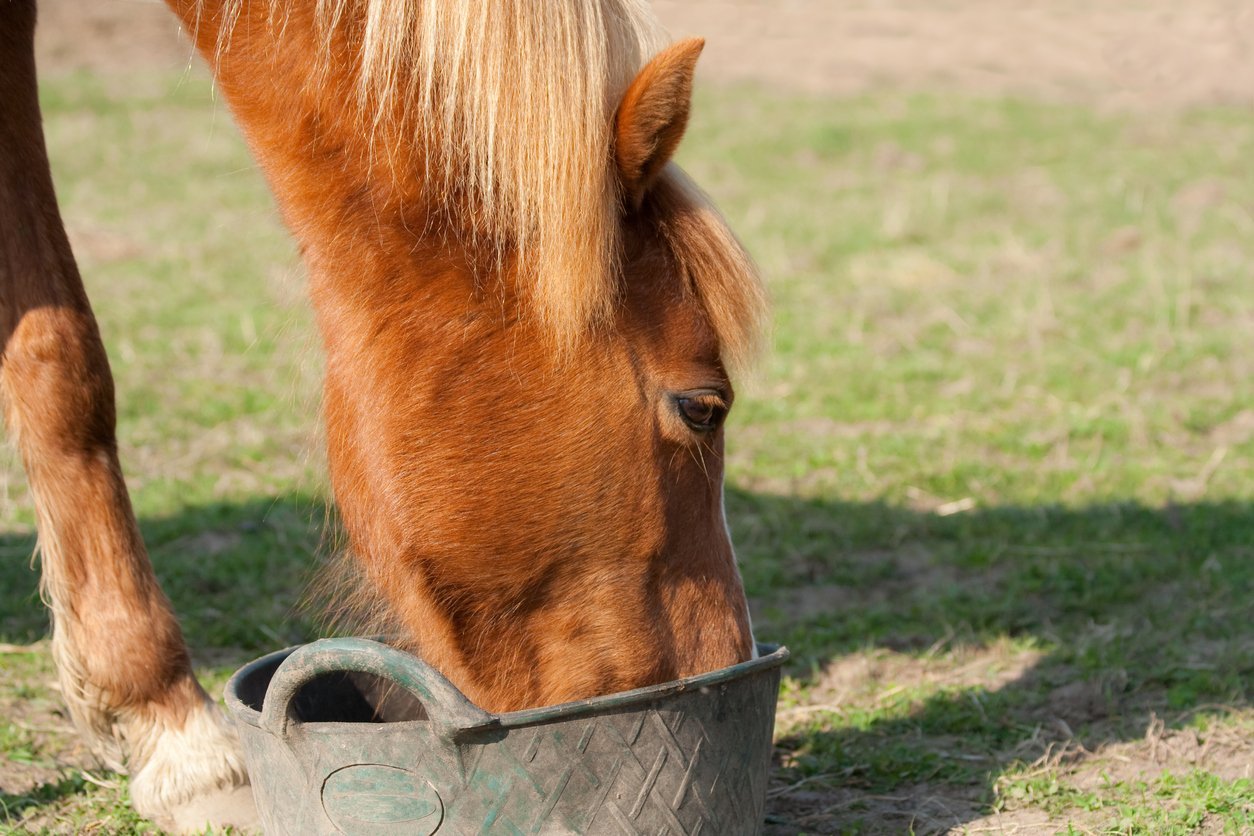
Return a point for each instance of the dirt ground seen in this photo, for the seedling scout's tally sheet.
(1112, 52)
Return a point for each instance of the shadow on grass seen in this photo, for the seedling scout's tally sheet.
(1122, 610)
(14, 805)
(1113, 612)
(236, 574)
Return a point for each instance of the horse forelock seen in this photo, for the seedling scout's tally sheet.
(717, 269)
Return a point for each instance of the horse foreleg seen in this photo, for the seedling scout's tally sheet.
(124, 669)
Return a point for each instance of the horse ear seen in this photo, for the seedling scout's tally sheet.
(652, 116)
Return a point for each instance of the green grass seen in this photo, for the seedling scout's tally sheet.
(992, 485)
(1039, 314)
(1167, 804)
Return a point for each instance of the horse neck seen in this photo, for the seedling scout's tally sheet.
(390, 276)
(381, 258)
(353, 195)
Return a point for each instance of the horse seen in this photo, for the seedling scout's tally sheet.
(530, 319)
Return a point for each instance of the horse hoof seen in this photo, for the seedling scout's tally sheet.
(193, 775)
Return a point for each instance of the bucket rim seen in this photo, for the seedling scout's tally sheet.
(773, 657)
(769, 656)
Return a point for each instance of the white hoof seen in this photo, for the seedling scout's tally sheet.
(193, 776)
(232, 807)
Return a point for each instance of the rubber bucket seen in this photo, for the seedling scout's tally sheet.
(354, 736)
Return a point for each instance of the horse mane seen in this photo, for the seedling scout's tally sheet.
(518, 99)
(514, 101)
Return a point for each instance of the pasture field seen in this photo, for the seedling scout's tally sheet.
(992, 484)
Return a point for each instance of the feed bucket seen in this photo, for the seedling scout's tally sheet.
(354, 736)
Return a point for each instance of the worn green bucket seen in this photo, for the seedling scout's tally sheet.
(334, 746)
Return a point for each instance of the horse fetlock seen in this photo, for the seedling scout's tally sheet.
(183, 757)
(87, 703)
(186, 775)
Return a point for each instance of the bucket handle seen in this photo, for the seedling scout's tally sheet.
(448, 709)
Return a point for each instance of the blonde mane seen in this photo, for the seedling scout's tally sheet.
(518, 98)
(515, 102)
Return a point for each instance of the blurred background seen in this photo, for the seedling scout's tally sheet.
(992, 483)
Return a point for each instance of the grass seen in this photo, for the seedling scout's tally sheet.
(992, 485)
(1166, 804)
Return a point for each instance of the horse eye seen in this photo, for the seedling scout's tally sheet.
(703, 413)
